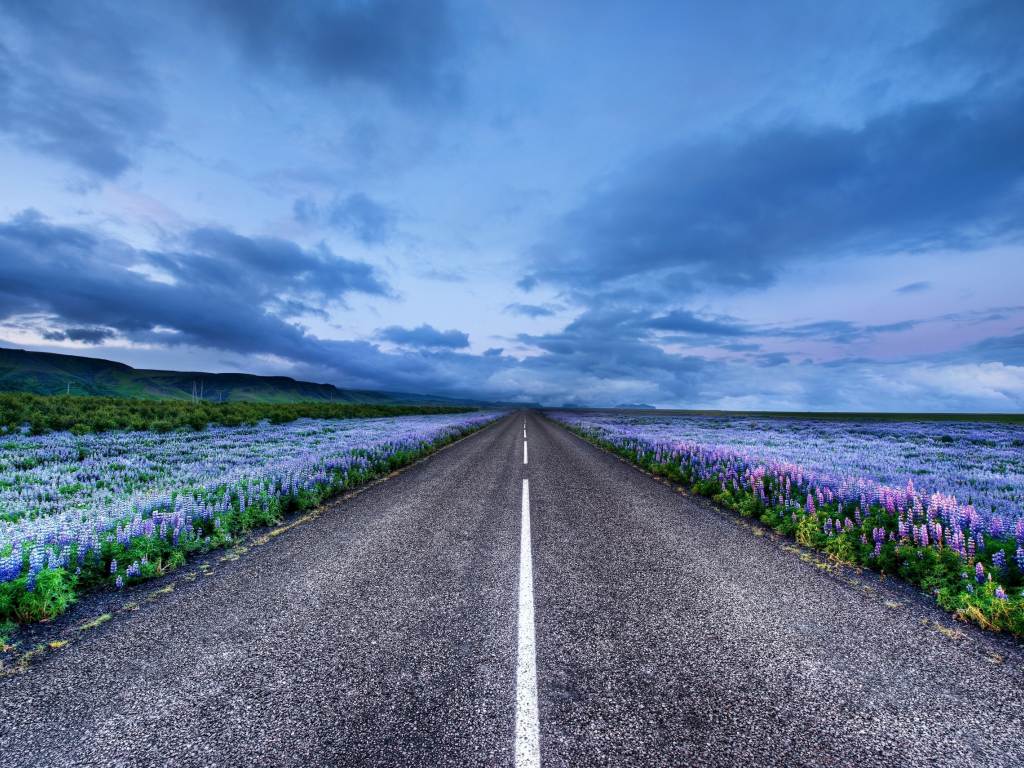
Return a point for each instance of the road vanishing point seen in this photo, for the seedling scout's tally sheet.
(520, 598)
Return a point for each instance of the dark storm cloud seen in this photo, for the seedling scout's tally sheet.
(398, 44)
(424, 337)
(735, 210)
(72, 84)
(220, 291)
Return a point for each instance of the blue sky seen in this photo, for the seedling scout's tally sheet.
(791, 205)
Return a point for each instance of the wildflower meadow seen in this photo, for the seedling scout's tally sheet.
(939, 504)
(83, 510)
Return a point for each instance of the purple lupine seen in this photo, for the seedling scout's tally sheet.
(113, 565)
(979, 573)
(1000, 594)
(999, 562)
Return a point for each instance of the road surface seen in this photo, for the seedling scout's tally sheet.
(429, 621)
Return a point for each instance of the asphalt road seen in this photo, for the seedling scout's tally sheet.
(387, 632)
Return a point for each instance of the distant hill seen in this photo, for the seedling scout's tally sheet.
(45, 373)
(635, 407)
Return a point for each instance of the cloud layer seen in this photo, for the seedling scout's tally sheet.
(820, 207)
(736, 210)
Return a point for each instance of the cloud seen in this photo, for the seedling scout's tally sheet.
(527, 284)
(369, 221)
(839, 331)
(687, 322)
(771, 359)
(532, 310)
(231, 293)
(73, 86)
(493, 351)
(424, 337)
(94, 336)
(225, 291)
(733, 209)
(401, 45)
(914, 287)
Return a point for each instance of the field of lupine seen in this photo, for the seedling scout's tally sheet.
(78, 511)
(939, 504)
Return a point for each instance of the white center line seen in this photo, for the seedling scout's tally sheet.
(524, 452)
(527, 721)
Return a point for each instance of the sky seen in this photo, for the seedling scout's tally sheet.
(793, 205)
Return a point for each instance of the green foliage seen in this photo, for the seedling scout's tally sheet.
(54, 592)
(82, 415)
(7, 629)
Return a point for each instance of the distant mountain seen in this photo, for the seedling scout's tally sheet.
(636, 407)
(45, 373)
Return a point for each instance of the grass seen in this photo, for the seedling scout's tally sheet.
(96, 622)
(84, 415)
(6, 630)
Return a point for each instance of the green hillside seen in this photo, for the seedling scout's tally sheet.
(44, 373)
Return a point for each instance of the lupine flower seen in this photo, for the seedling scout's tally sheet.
(113, 565)
(119, 583)
(979, 573)
(179, 478)
(1000, 594)
(999, 562)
